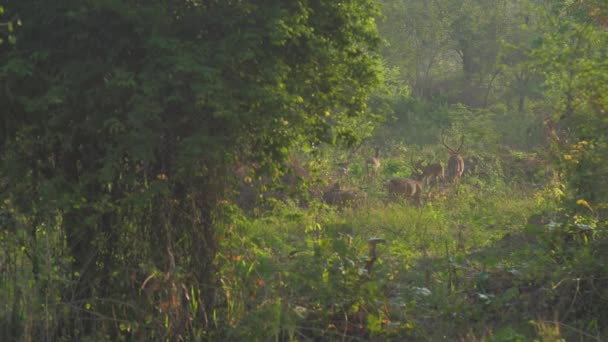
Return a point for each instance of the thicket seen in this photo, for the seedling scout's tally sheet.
(164, 170)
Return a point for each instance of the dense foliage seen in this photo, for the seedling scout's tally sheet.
(204, 170)
(120, 121)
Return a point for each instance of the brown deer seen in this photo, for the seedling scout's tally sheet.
(428, 174)
(432, 173)
(455, 163)
(372, 165)
(405, 188)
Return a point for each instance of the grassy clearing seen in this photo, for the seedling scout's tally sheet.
(453, 265)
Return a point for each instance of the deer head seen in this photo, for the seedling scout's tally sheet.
(455, 162)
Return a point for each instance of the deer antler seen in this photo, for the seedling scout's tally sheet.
(461, 143)
(446, 145)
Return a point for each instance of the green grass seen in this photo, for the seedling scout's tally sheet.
(454, 265)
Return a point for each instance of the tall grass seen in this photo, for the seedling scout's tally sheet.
(301, 273)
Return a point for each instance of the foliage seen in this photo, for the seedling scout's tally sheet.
(305, 276)
(119, 123)
(453, 50)
(573, 58)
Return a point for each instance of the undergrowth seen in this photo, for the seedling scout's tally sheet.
(459, 267)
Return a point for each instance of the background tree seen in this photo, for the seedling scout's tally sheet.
(572, 57)
(417, 41)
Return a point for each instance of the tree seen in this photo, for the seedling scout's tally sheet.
(450, 47)
(572, 57)
(120, 121)
(417, 40)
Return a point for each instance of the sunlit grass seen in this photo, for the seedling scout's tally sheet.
(314, 258)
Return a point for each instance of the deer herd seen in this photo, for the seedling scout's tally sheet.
(406, 188)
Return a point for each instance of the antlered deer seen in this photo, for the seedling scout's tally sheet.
(405, 188)
(372, 165)
(455, 163)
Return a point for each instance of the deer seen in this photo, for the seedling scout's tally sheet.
(372, 165)
(405, 188)
(430, 173)
(455, 163)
